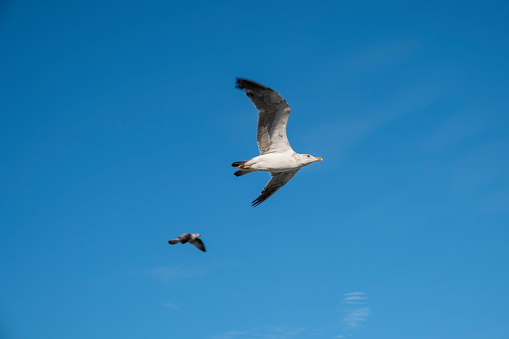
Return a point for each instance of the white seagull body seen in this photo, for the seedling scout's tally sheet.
(276, 155)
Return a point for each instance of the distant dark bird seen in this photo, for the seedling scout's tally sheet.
(192, 238)
(276, 155)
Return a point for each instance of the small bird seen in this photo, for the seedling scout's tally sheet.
(192, 238)
(276, 155)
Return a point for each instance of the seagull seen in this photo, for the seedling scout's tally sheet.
(192, 238)
(276, 155)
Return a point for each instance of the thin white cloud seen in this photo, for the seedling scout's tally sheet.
(354, 298)
(272, 332)
(356, 312)
(457, 128)
(380, 54)
(171, 305)
(230, 334)
(356, 317)
(337, 138)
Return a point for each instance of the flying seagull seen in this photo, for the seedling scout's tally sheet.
(276, 155)
(192, 238)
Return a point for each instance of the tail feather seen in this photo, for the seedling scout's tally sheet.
(239, 163)
(173, 242)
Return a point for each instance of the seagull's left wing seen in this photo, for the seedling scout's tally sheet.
(278, 180)
(198, 244)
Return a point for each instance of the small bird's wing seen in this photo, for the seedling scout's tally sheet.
(278, 180)
(272, 119)
(198, 243)
(185, 238)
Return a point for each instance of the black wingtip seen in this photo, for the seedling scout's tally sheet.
(244, 83)
(238, 83)
(256, 202)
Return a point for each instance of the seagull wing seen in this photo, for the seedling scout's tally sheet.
(278, 180)
(272, 119)
(198, 244)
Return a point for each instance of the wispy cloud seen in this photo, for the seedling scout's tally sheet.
(171, 305)
(356, 312)
(168, 273)
(380, 54)
(230, 334)
(457, 128)
(356, 317)
(354, 298)
(338, 138)
(272, 332)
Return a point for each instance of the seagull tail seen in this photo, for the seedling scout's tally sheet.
(239, 163)
(173, 242)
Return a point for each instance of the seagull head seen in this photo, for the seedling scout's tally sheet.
(307, 158)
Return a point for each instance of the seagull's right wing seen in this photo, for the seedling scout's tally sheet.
(278, 180)
(198, 243)
(272, 119)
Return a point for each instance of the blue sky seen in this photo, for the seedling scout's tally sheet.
(119, 124)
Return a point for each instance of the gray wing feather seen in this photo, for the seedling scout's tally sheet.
(277, 181)
(272, 118)
(198, 243)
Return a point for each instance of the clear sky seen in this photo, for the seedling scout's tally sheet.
(119, 122)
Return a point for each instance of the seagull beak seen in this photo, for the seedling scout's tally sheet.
(319, 159)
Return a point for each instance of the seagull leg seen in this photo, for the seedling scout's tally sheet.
(244, 167)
